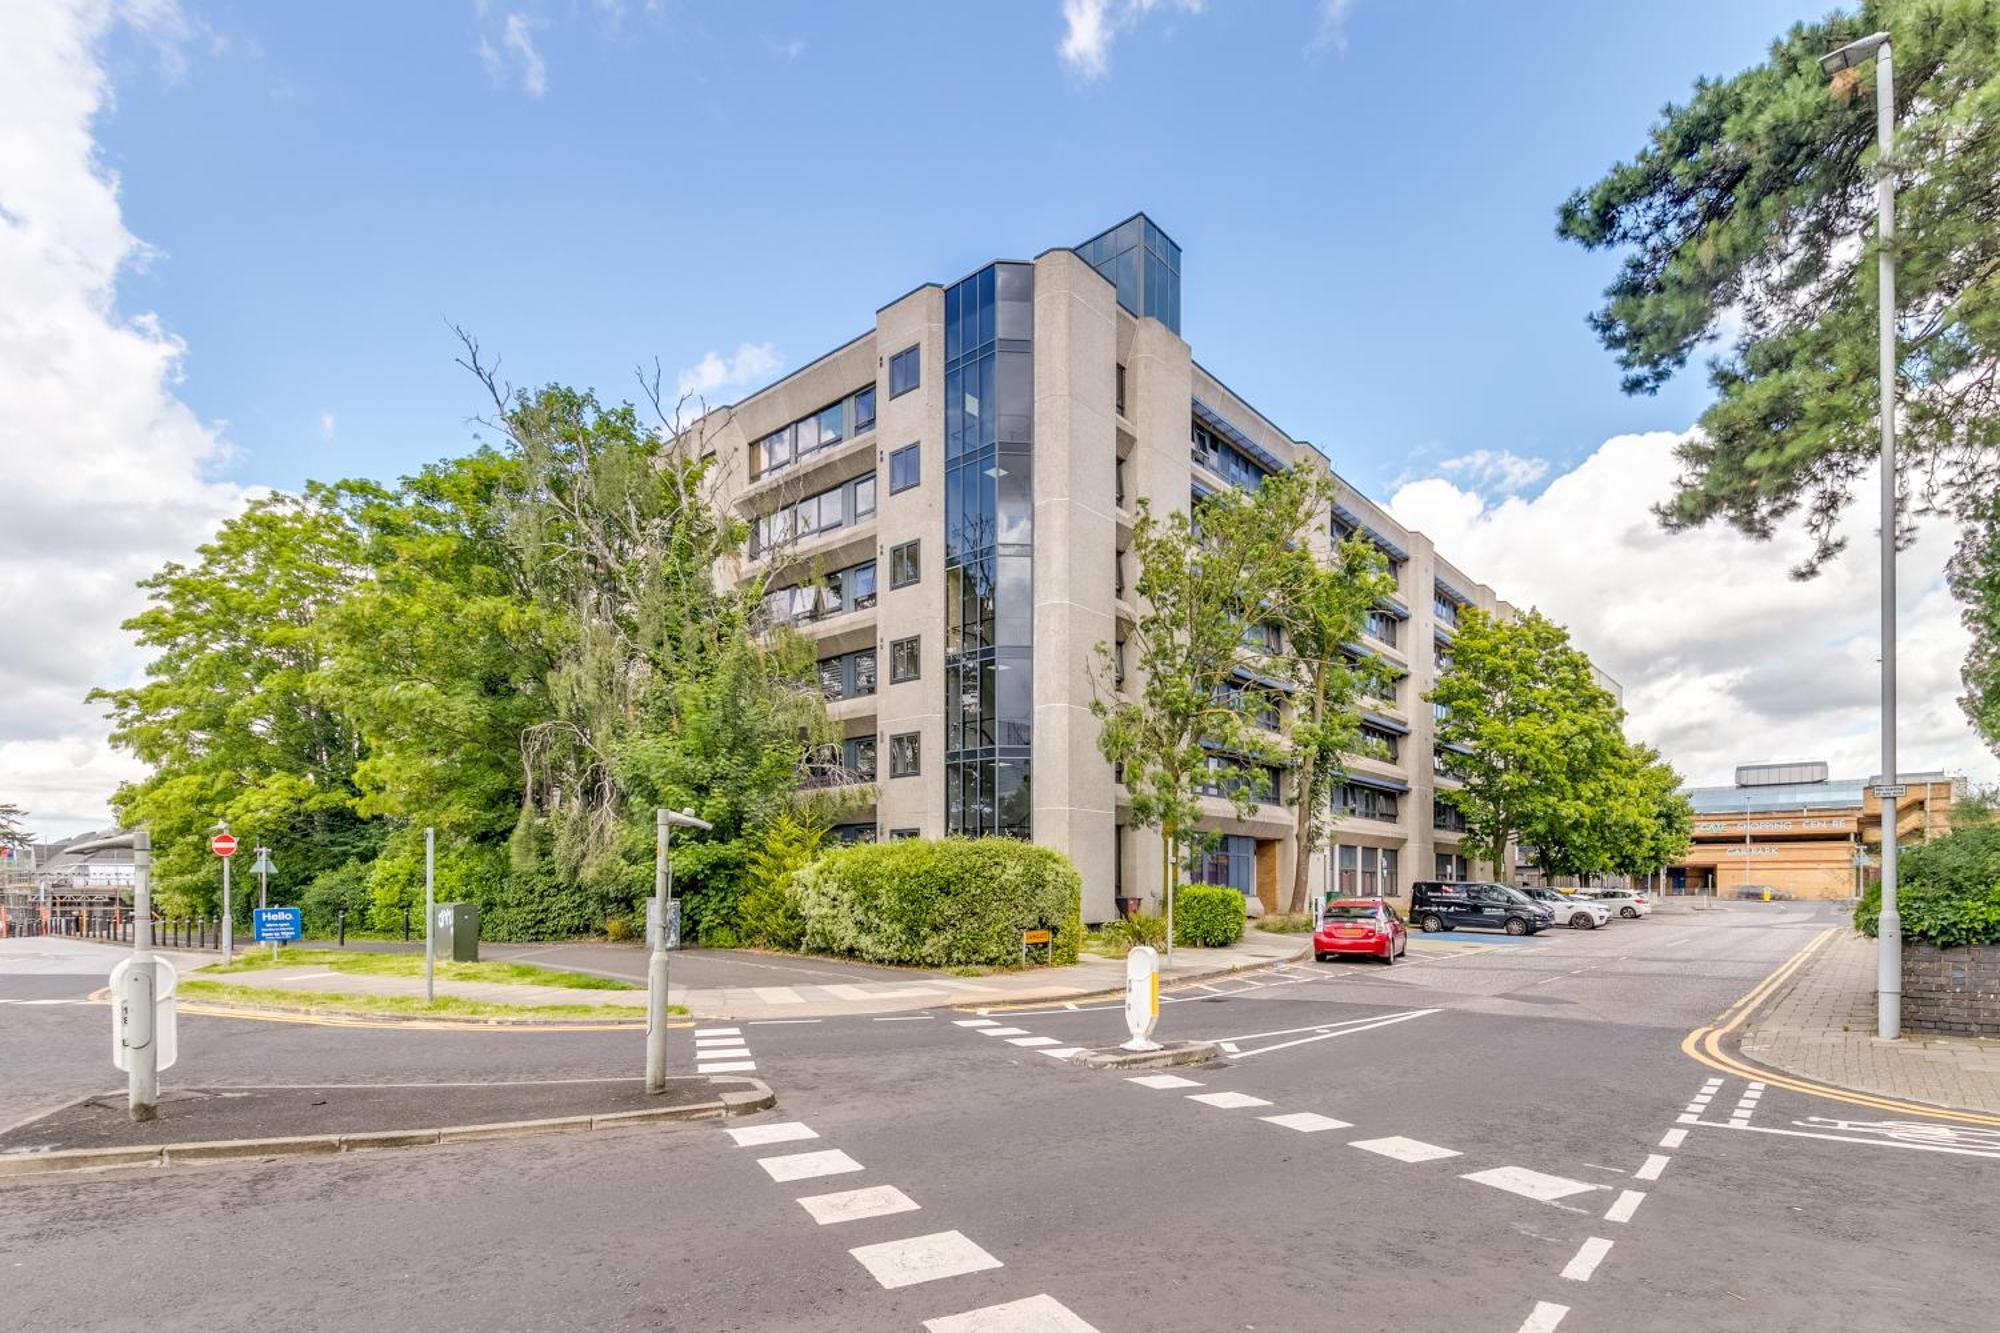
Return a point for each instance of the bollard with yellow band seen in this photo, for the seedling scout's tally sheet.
(1142, 998)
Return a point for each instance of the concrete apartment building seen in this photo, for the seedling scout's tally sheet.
(943, 506)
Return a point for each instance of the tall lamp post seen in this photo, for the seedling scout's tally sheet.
(1889, 934)
(656, 966)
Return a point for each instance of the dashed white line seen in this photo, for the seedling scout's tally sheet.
(707, 1043)
(1227, 1101)
(1003, 1032)
(906, 1018)
(1626, 1204)
(1673, 1138)
(1061, 1052)
(1543, 1318)
(756, 1136)
(1036, 1314)
(1306, 1122)
(717, 1032)
(1163, 1081)
(1655, 1163)
(808, 1165)
(1588, 1256)
(780, 1022)
(727, 1067)
(904, 1263)
(1528, 1184)
(1404, 1150)
(854, 1205)
(974, 1023)
(1033, 1041)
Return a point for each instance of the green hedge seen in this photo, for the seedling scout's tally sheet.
(1948, 890)
(962, 901)
(1207, 916)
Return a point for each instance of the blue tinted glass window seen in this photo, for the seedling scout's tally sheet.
(864, 409)
(904, 468)
(903, 372)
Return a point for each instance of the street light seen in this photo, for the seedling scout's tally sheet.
(1889, 932)
(656, 966)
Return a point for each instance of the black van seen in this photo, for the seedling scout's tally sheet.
(1447, 905)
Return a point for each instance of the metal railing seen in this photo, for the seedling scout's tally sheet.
(110, 924)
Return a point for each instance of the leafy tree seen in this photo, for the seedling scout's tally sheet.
(228, 716)
(1749, 216)
(1327, 608)
(1535, 740)
(1208, 582)
(13, 836)
(1668, 819)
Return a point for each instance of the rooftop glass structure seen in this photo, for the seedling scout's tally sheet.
(1143, 263)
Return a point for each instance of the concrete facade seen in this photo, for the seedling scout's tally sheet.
(1118, 400)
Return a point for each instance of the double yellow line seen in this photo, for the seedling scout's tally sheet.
(1705, 1046)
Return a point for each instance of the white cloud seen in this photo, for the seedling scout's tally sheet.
(326, 427)
(108, 474)
(1497, 471)
(788, 50)
(715, 372)
(1330, 33)
(1090, 27)
(1724, 658)
(514, 57)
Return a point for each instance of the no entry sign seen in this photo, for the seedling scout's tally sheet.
(223, 844)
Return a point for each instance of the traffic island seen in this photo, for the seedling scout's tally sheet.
(1166, 1056)
(255, 1122)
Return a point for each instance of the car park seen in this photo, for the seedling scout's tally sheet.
(1762, 892)
(1365, 926)
(1572, 909)
(1450, 904)
(1628, 903)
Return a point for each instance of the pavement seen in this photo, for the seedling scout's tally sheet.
(1505, 1139)
(1821, 1026)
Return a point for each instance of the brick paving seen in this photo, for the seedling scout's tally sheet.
(1821, 1026)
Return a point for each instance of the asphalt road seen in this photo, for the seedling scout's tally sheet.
(1617, 1185)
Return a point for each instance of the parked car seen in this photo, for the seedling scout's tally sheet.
(1360, 925)
(1571, 909)
(1446, 904)
(1628, 903)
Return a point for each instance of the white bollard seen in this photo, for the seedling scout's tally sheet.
(1142, 998)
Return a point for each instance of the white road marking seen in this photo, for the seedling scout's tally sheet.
(1070, 1005)
(1344, 1032)
(906, 1018)
(1306, 1122)
(1324, 1027)
(1227, 1101)
(807, 1165)
(1673, 1138)
(904, 1263)
(1686, 1118)
(718, 1032)
(726, 1067)
(1655, 1163)
(1033, 1041)
(704, 1043)
(854, 1205)
(1543, 1318)
(756, 1136)
(1849, 1138)
(1229, 1046)
(1063, 1052)
(974, 1023)
(1003, 1032)
(1163, 1081)
(1404, 1150)
(777, 995)
(1626, 1204)
(1588, 1256)
(780, 1022)
(1530, 1184)
(1036, 1314)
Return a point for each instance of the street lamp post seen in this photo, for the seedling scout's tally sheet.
(656, 965)
(1889, 933)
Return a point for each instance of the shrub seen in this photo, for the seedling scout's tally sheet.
(1280, 923)
(940, 904)
(1119, 937)
(1948, 890)
(618, 928)
(330, 893)
(768, 912)
(1207, 916)
(708, 881)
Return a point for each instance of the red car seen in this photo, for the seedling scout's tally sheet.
(1360, 925)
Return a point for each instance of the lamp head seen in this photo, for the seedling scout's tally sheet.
(1847, 57)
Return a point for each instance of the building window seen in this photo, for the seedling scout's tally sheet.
(904, 568)
(904, 834)
(1351, 800)
(905, 754)
(905, 468)
(1233, 865)
(839, 507)
(849, 676)
(864, 410)
(1382, 627)
(1223, 776)
(1121, 391)
(840, 591)
(848, 834)
(904, 372)
(1367, 872)
(1446, 816)
(1444, 606)
(819, 430)
(905, 659)
(1450, 866)
(1387, 744)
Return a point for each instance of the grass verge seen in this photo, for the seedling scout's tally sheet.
(412, 965)
(407, 1006)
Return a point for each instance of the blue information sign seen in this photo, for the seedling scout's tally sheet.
(277, 925)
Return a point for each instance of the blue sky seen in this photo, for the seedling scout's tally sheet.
(1366, 214)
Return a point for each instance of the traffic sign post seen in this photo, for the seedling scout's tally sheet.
(1142, 998)
(263, 870)
(223, 844)
(277, 925)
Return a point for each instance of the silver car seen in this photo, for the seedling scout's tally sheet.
(1573, 910)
